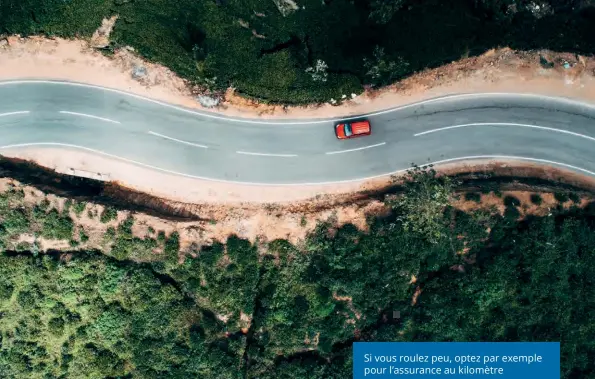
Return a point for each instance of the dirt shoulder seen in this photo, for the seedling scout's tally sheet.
(261, 223)
(501, 70)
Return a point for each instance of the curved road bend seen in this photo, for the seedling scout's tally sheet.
(212, 146)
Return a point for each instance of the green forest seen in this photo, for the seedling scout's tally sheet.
(306, 51)
(277, 310)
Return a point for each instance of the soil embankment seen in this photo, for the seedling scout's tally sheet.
(295, 220)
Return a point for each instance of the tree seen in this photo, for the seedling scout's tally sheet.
(421, 207)
(381, 11)
(381, 71)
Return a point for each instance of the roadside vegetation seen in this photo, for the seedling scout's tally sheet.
(276, 310)
(305, 51)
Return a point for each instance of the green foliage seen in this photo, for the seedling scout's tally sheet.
(265, 54)
(222, 278)
(380, 71)
(67, 205)
(6, 291)
(561, 197)
(511, 201)
(127, 246)
(574, 197)
(421, 208)
(535, 289)
(511, 214)
(536, 199)
(134, 326)
(288, 311)
(108, 214)
(83, 237)
(53, 224)
(473, 196)
(15, 221)
(381, 11)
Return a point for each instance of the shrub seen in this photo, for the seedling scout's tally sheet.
(110, 233)
(15, 221)
(473, 196)
(511, 214)
(108, 214)
(511, 201)
(83, 237)
(6, 290)
(55, 225)
(561, 197)
(56, 326)
(536, 199)
(421, 207)
(574, 197)
(79, 207)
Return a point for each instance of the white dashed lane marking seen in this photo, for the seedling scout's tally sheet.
(267, 154)
(178, 140)
(506, 124)
(359, 148)
(90, 116)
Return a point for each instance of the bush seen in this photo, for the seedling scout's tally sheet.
(536, 199)
(511, 201)
(108, 214)
(6, 290)
(55, 225)
(15, 221)
(79, 208)
(574, 198)
(83, 237)
(561, 197)
(511, 214)
(421, 207)
(56, 326)
(473, 196)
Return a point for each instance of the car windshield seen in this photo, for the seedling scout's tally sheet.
(348, 131)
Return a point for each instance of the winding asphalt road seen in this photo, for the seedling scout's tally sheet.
(553, 131)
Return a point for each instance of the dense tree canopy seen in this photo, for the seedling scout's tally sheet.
(293, 312)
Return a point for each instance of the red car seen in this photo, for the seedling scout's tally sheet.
(351, 129)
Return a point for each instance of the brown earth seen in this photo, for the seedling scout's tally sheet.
(292, 222)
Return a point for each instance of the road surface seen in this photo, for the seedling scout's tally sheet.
(146, 132)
